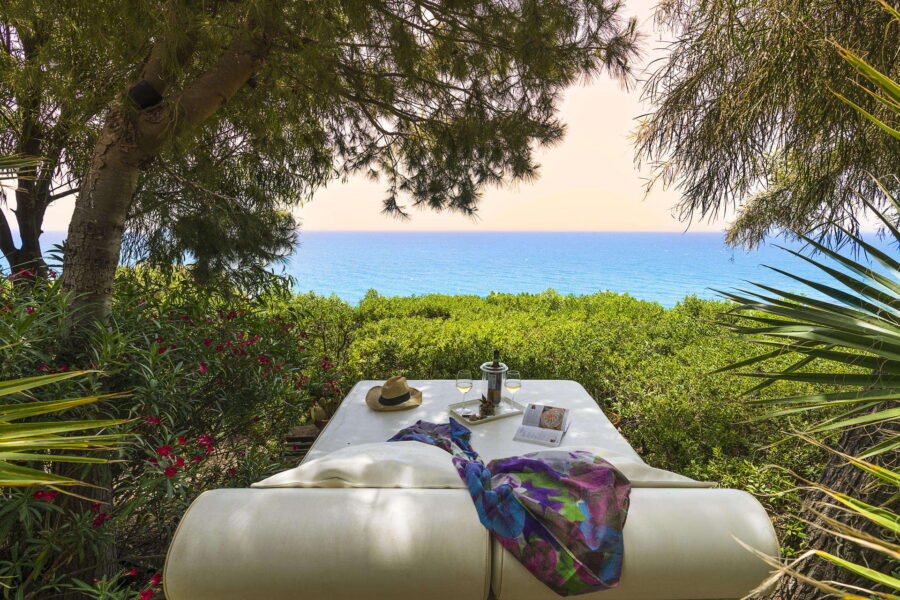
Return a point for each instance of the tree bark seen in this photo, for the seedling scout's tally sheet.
(842, 477)
(130, 140)
(98, 221)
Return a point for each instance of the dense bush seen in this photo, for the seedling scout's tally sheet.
(214, 381)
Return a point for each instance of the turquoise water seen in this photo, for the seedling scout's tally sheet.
(662, 267)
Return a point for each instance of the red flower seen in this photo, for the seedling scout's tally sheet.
(153, 461)
(170, 471)
(153, 420)
(179, 462)
(159, 340)
(220, 348)
(95, 507)
(63, 368)
(262, 359)
(101, 519)
(232, 472)
(207, 342)
(185, 318)
(155, 579)
(204, 440)
(161, 350)
(164, 450)
(232, 315)
(29, 310)
(147, 594)
(197, 459)
(42, 495)
(171, 346)
(181, 439)
(132, 572)
(203, 368)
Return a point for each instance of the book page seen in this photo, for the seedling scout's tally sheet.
(544, 425)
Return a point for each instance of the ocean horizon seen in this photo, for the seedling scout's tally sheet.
(662, 267)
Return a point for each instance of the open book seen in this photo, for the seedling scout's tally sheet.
(544, 425)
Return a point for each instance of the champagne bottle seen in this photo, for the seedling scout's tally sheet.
(495, 380)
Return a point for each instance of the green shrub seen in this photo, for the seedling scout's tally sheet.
(233, 373)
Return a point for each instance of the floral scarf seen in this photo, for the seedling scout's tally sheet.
(560, 513)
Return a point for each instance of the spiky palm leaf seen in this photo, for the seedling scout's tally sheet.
(32, 441)
(859, 328)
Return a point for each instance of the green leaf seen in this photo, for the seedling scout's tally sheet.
(22, 410)
(19, 476)
(870, 574)
(17, 430)
(20, 385)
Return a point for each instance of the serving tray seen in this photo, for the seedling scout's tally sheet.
(466, 410)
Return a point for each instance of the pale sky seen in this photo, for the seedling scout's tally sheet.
(586, 183)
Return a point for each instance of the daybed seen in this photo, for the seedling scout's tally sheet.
(402, 532)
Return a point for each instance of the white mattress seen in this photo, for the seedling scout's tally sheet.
(415, 544)
(356, 423)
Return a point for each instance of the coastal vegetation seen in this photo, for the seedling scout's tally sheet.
(214, 381)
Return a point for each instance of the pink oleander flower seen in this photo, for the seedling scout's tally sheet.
(152, 420)
(29, 310)
(179, 462)
(132, 571)
(220, 348)
(203, 368)
(170, 471)
(154, 581)
(47, 496)
(196, 459)
(147, 595)
(181, 439)
(95, 507)
(207, 342)
(161, 350)
(231, 472)
(159, 340)
(100, 519)
(262, 359)
(164, 450)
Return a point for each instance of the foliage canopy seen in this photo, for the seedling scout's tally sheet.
(746, 115)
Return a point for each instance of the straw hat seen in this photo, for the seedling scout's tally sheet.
(395, 394)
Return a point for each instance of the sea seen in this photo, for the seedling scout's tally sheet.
(659, 267)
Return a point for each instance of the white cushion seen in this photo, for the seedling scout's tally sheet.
(375, 465)
(639, 473)
(419, 465)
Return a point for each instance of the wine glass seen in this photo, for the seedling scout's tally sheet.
(464, 382)
(513, 383)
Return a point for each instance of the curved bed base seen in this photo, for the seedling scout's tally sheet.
(415, 544)
(329, 544)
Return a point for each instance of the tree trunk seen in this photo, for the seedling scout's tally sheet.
(95, 232)
(841, 477)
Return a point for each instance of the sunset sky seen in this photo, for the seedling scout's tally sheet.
(587, 183)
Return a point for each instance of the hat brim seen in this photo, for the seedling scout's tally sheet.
(373, 395)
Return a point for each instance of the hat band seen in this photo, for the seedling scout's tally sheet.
(394, 401)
